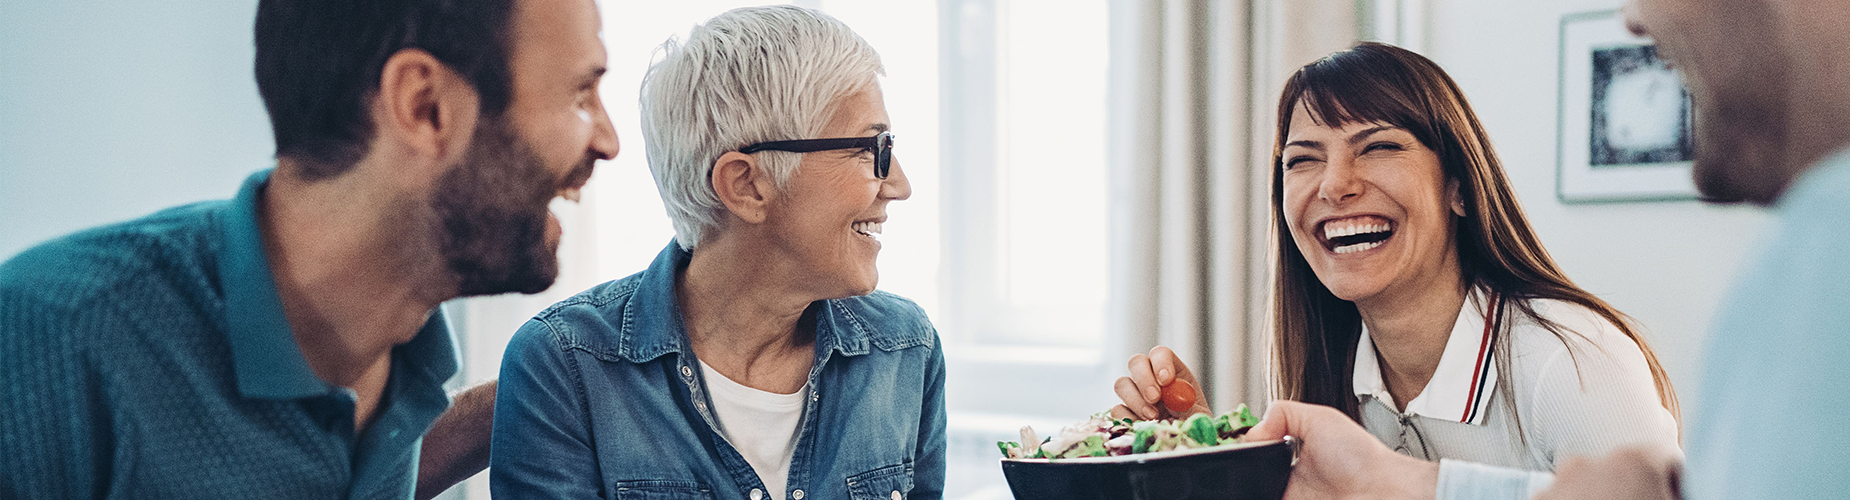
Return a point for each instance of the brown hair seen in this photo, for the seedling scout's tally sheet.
(1313, 355)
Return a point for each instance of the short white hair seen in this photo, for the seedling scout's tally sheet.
(747, 76)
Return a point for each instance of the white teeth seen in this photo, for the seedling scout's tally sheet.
(867, 228)
(1340, 229)
(572, 194)
(1348, 249)
(1352, 227)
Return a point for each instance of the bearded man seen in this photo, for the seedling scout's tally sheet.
(287, 343)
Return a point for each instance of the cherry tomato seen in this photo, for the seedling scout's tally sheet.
(1179, 396)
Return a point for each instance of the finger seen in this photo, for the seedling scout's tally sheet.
(1169, 366)
(1127, 391)
(1662, 457)
(1120, 412)
(1675, 479)
(1146, 384)
(1573, 466)
(1277, 421)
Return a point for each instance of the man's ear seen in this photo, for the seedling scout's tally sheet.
(425, 106)
(743, 186)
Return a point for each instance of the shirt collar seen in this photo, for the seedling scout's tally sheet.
(1819, 182)
(656, 328)
(1464, 380)
(264, 354)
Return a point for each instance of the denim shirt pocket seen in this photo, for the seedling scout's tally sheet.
(892, 482)
(661, 490)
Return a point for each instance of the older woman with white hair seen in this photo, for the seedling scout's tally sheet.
(753, 359)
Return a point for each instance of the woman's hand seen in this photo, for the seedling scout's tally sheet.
(1159, 386)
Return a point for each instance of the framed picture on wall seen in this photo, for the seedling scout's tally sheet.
(1625, 116)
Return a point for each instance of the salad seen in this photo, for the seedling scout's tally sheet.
(1101, 436)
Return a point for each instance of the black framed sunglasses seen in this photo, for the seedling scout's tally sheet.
(882, 145)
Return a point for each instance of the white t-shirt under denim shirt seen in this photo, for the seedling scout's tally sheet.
(762, 425)
(1583, 393)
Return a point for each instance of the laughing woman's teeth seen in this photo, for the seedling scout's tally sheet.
(1346, 249)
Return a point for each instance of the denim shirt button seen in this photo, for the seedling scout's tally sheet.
(757, 494)
(796, 495)
(687, 372)
(895, 494)
(815, 396)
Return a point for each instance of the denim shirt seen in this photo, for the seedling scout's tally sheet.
(601, 397)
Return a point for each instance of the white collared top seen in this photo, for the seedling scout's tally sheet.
(1584, 392)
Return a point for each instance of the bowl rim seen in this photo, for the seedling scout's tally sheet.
(1146, 457)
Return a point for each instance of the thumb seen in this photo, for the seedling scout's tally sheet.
(1275, 425)
(1168, 367)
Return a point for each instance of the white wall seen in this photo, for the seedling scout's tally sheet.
(1665, 263)
(110, 110)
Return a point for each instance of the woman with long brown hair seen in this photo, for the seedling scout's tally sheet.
(1411, 292)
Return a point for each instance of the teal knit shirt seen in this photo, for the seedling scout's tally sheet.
(151, 359)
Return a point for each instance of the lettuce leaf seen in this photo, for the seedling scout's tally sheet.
(1202, 429)
(1247, 419)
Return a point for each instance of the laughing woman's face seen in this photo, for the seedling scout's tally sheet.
(1368, 205)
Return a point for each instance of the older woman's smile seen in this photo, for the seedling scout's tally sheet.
(869, 228)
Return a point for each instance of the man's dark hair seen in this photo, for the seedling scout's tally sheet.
(319, 63)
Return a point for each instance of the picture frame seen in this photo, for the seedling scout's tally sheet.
(1625, 121)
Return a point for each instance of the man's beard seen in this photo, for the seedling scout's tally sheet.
(1742, 109)
(1739, 149)
(493, 208)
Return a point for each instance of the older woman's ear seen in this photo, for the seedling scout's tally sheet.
(743, 185)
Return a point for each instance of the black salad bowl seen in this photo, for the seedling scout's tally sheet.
(1245, 471)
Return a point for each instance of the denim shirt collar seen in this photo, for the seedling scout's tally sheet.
(654, 326)
(264, 354)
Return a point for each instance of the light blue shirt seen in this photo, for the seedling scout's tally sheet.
(1776, 387)
(1776, 390)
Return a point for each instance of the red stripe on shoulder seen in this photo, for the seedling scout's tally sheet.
(1482, 348)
